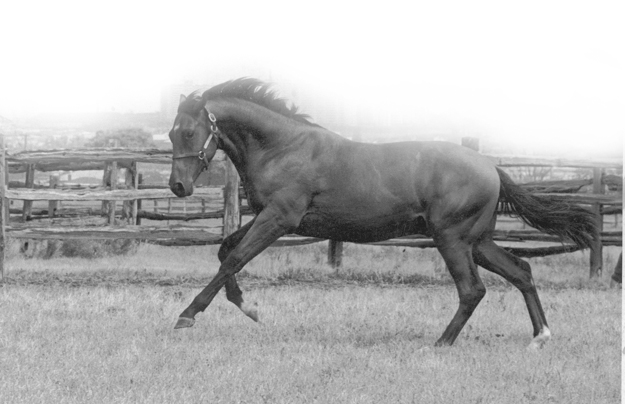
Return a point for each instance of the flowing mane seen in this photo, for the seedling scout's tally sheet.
(256, 91)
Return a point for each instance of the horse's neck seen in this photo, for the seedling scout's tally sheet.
(242, 119)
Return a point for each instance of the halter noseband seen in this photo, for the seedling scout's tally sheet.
(202, 153)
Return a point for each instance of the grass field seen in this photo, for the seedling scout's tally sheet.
(79, 330)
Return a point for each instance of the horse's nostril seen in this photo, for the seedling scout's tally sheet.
(178, 189)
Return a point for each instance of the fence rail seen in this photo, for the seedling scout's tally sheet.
(129, 202)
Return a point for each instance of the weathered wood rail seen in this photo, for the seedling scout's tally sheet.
(128, 199)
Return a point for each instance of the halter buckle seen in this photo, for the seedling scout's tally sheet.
(213, 119)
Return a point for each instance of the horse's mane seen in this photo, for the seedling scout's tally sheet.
(253, 90)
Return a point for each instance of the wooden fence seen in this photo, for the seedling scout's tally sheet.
(115, 209)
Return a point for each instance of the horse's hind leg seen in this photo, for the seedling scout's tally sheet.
(471, 290)
(518, 272)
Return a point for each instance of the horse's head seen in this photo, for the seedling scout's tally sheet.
(194, 137)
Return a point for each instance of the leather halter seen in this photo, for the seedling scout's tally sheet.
(202, 153)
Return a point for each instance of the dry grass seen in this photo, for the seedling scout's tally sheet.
(77, 330)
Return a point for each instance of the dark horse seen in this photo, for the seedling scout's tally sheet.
(301, 178)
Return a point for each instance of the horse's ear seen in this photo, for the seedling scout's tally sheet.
(201, 103)
(183, 98)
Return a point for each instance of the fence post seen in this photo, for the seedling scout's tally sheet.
(106, 181)
(335, 254)
(170, 208)
(27, 207)
(596, 251)
(335, 248)
(139, 203)
(130, 206)
(52, 205)
(3, 218)
(111, 204)
(232, 217)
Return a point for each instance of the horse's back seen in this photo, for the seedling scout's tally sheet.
(424, 170)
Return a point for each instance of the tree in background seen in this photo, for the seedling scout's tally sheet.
(127, 137)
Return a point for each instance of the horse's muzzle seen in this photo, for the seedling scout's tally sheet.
(179, 190)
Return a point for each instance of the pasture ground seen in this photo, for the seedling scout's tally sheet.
(101, 330)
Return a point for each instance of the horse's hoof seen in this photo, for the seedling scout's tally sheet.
(540, 340)
(184, 322)
(250, 310)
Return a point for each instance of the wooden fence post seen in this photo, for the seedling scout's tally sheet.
(52, 205)
(111, 204)
(335, 248)
(130, 207)
(232, 216)
(335, 254)
(169, 208)
(27, 207)
(3, 217)
(7, 203)
(106, 180)
(596, 251)
(139, 204)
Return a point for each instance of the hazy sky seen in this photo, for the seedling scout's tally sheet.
(552, 73)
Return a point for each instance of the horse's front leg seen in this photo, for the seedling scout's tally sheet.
(269, 225)
(233, 292)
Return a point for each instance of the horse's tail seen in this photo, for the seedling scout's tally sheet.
(568, 221)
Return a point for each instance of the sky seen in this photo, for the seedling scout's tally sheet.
(546, 73)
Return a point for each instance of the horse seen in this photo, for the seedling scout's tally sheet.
(301, 178)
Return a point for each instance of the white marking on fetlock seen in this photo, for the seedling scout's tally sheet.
(540, 339)
(250, 310)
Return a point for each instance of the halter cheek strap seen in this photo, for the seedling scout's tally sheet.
(202, 153)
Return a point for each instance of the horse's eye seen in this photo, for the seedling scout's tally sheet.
(187, 134)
